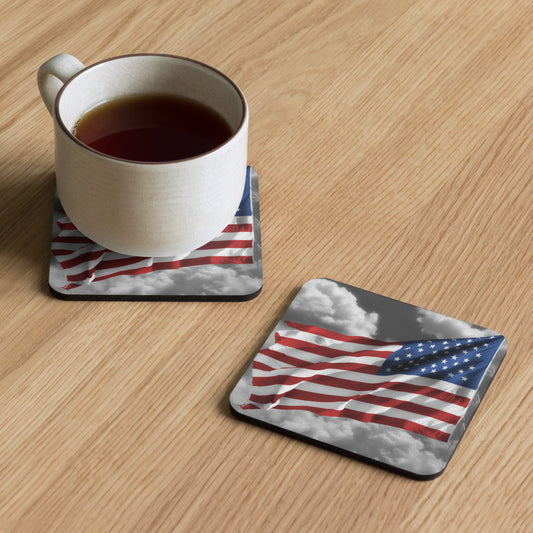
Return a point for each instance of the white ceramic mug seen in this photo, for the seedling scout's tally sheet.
(142, 208)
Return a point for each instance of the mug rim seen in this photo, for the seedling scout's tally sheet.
(62, 125)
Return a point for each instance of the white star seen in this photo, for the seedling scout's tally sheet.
(433, 365)
(469, 340)
(423, 369)
(486, 344)
(396, 358)
(450, 374)
(433, 370)
(456, 363)
(443, 361)
(464, 379)
(444, 367)
(420, 350)
(465, 351)
(465, 360)
(409, 355)
(445, 342)
(461, 371)
(432, 346)
(471, 367)
(454, 357)
(478, 355)
(419, 344)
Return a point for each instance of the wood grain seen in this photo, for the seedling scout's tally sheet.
(394, 145)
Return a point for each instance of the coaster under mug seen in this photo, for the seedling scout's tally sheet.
(229, 268)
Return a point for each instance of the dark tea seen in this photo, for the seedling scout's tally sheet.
(152, 128)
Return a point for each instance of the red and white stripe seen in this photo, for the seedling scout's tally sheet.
(330, 374)
(84, 261)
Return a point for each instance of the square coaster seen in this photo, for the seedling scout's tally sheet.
(229, 268)
(378, 379)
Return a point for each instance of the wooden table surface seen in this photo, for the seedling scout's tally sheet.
(394, 145)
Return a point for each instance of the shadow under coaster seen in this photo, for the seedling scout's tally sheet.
(229, 268)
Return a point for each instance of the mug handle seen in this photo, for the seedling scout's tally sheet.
(53, 74)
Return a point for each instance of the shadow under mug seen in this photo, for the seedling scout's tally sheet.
(142, 208)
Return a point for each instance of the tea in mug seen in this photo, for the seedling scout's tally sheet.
(152, 128)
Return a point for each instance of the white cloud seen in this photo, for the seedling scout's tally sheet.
(331, 304)
(203, 280)
(444, 327)
(216, 279)
(392, 446)
(402, 449)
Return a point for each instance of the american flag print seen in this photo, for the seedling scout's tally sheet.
(84, 262)
(422, 386)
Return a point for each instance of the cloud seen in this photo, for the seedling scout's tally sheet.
(445, 327)
(392, 446)
(402, 449)
(203, 280)
(330, 304)
(214, 279)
